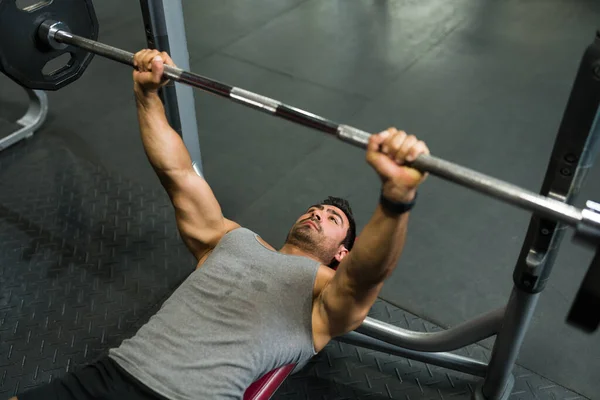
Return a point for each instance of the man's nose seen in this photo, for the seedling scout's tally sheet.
(317, 215)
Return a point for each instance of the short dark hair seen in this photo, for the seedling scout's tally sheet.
(343, 205)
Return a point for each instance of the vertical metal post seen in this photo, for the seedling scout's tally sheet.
(575, 149)
(519, 310)
(165, 31)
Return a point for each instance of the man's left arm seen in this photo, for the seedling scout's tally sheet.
(346, 300)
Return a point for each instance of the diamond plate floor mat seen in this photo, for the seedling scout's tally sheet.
(86, 257)
(8, 127)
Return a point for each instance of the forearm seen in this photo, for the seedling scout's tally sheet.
(164, 147)
(378, 249)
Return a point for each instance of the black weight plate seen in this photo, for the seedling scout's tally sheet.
(23, 56)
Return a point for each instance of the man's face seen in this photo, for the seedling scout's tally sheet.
(320, 231)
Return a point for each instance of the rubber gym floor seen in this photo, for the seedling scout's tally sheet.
(88, 244)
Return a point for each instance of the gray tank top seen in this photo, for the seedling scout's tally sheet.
(246, 311)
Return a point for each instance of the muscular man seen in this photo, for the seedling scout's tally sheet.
(248, 308)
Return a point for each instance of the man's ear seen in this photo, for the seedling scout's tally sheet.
(342, 252)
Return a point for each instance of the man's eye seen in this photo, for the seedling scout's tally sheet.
(334, 219)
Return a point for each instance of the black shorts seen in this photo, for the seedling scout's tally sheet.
(103, 379)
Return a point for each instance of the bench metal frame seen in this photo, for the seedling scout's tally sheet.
(33, 119)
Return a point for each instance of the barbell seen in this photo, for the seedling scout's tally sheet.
(45, 31)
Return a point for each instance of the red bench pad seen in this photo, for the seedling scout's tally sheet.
(266, 386)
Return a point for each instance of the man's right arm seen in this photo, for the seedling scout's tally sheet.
(347, 298)
(199, 217)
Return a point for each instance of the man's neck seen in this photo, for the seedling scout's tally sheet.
(292, 250)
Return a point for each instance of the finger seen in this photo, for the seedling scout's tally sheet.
(141, 74)
(383, 164)
(167, 59)
(139, 59)
(142, 64)
(415, 151)
(395, 143)
(157, 68)
(143, 60)
(136, 59)
(376, 140)
(395, 137)
(402, 150)
(149, 58)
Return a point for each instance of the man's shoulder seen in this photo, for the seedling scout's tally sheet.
(324, 276)
(231, 225)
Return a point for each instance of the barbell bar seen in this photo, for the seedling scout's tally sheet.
(56, 34)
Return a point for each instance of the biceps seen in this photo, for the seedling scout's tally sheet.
(344, 305)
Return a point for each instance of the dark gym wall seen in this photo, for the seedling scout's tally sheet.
(484, 83)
